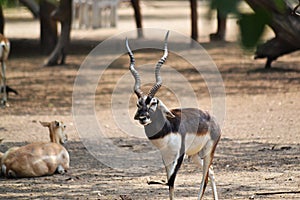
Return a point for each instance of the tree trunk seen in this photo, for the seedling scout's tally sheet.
(48, 27)
(1, 20)
(63, 14)
(221, 29)
(138, 17)
(32, 6)
(194, 19)
(286, 27)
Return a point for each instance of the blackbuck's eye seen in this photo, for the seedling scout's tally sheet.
(153, 104)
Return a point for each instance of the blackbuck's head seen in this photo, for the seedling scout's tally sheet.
(148, 104)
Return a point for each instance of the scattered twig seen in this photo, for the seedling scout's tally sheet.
(277, 192)
(156, 182)
(125, 197)
(126, 145)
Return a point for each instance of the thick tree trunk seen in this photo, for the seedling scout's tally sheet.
(1, 20)
(194, 19)
(221, 29)
(138, 17)
(48, 27)
(63, 14)
(286, 27)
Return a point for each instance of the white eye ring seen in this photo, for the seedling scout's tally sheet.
(153, 101)
(153, 104)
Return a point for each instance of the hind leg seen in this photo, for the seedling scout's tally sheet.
(205, 164)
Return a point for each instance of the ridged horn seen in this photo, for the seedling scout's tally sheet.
(163, 59)
(135, 74)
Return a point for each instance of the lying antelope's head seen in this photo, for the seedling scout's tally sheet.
(57, 131)
(148, 104)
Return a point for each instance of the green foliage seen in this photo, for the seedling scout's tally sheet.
(13, 3)
(225, 6)
(8, 3)
(280, 5)
(252, 27)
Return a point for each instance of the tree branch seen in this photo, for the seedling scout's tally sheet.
(295, 9)
(285, 26)
(276, 192)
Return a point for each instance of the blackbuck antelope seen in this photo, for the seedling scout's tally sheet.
(38, 159)
(4, 52)
(178, 131)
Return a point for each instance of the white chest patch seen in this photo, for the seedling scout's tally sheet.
(169, 147)
(172, 141)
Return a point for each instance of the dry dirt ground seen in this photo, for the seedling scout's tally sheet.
(257, 157)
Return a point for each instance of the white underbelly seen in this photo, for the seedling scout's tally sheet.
(172, 143)
(195, 143)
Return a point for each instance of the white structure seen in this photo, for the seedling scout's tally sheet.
(94, 13)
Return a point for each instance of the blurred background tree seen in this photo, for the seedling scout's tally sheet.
(277, 14)
(280, 15)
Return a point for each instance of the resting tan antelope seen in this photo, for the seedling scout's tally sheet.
(176, 132)
(38, 159)
(4, 52)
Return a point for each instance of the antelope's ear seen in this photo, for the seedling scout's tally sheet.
(165, 110)
(45, 124)
(1, 140)
(170, 114)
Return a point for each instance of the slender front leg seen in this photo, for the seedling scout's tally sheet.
(172, 170)
(4, 97)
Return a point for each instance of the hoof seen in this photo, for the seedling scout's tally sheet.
(60, 170)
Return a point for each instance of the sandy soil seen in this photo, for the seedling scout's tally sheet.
(258, 152)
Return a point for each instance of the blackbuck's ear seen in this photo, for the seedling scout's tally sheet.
(165, 110)
(170, 114)
(45, 124)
